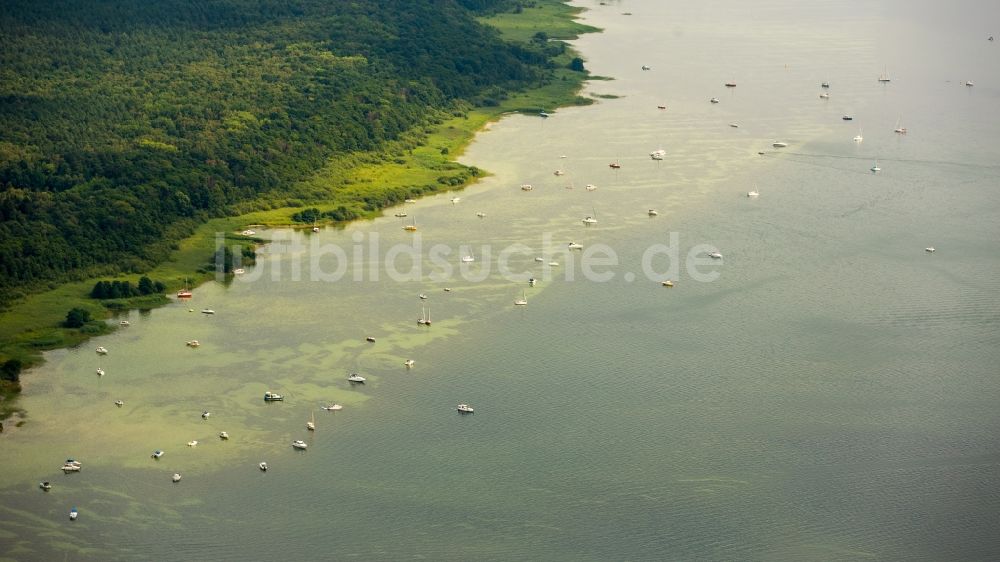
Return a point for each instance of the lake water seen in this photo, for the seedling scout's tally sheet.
(831, 395)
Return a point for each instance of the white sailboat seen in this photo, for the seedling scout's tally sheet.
(884, 77)
(311, 424)
(425, 317)
(899, 129)
(753, 192)
(412, 226)
(590, 219)
(875, 168)
(521, 301)
(859, 137)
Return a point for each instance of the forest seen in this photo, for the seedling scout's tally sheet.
(126, 123)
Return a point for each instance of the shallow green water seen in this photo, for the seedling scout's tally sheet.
(830, 396)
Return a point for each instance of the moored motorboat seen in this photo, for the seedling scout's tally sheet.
(930, 249)
(124, 323)
(715, 256)
(272, 396)
(101, 350)
(176, 477)
(224, 435)
(193, 343)
(205, 415)
(574, 246)
(847, 118)
(262, 466)
(658, 154)
(100, 371)
(465, 409)
(73, 514)
(207, 311)
(157, 454)
(355, 377)
(370, 339)
(652, 212)
(45, 485)
(408, 363)
(526, 187)
(667, 283)
(119, 403)
(67, 468)
(714, 100)
(333, 407)
(779, 144)
(193, 443)
(299, 444)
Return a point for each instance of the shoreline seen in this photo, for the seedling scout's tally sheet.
(33, 324)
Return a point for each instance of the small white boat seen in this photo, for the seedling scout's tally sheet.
(311, 424)
(422, 296)
(858, 137)
(192, 343)
(447, 289)
(409, 200)
(101, 351)
(521, 301)
(100, 371)
(119, 403)
(299, 444)
(205, 415)
(553, 264)
(73, 514)
(468, 259)
(400, 215)
(734, 125)
(157, 454)
(969, 83)
(262, 466)
(652, 212)
(248, 232)
(193, 443)
(658, 154)
(714, 100)
(425, 317)
(558, 173)
(410, 227)
(465, 408)
(667, 283)
(589, 220)
(184, 294)
(779, 144)
(715, 256)
(272, 397)
(455, 199)
(615, 165)
(899, 128)
(753, 192)
(333, 407)
(207, 311)
(526, 187)
(67, 468)
(591, 187)
(574, 246)
(73, 462)
(124, 323)
(370, 339)
(539, 259)
(930, 249)
(408, 363)
(355, 377)
(224, 435)
(241, 271)
(315, 229)
(824, 96)
(45, 486)
(875, 167)
(481, 215)
(176, 477)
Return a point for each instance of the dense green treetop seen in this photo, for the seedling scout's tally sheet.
(123, 123)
